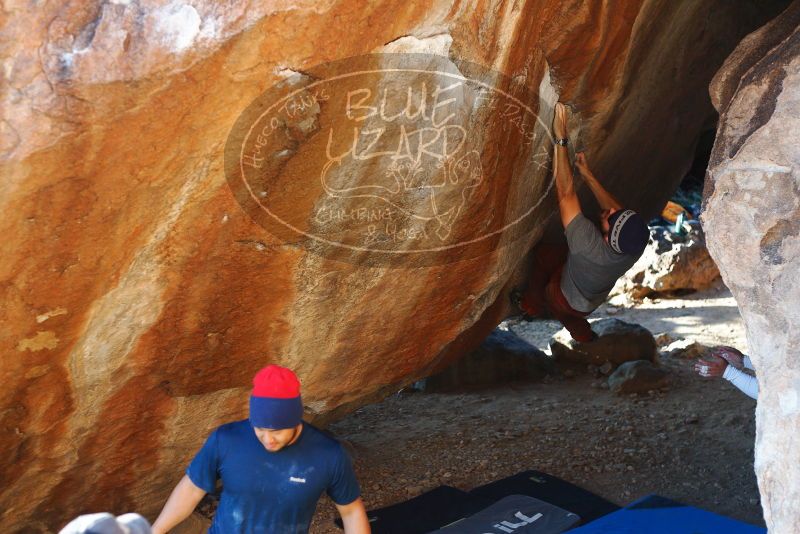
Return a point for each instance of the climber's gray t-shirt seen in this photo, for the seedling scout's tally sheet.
(592, 267)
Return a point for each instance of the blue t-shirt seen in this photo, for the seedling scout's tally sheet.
(271, 492)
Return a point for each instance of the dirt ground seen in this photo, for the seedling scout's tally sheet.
(693, 443)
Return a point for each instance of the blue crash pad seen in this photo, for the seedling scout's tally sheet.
(658, 515)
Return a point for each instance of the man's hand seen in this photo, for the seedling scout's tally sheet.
(582, 165)
(711, 366)
(730, 355)
(560, 121)
(354, 517)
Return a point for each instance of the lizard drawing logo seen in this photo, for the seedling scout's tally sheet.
(431, 186)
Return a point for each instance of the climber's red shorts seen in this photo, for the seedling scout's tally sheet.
(544, 297)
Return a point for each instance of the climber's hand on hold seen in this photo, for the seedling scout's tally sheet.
(582, 165)
(560, 121)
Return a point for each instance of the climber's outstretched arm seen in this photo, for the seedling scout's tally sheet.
(606, 200)
(568, 203)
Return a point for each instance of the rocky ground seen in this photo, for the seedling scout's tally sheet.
(692, 443)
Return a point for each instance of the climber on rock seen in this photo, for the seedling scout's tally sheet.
(273, 467)
(569, 281)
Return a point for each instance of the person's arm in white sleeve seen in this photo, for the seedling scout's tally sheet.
(746, 383)
(747, 363)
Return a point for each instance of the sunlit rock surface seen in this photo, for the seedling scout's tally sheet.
(136, 296)
(752, 218)
(670, 264)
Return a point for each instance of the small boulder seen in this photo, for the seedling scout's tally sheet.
(617, 342)
(606, 368)
(637, 377)
(502, 357)
(663, 339)
(685, 349)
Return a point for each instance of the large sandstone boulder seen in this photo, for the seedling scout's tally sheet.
(752, 220)
(670, 264)
(139, 292)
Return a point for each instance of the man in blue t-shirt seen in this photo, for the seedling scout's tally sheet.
(273, 466)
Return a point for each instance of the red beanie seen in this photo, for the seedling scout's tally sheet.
(276, 382)
(275, 402)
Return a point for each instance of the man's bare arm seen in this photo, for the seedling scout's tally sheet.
(606, 200)
(180, 505)
(568, 203)
(354, 517)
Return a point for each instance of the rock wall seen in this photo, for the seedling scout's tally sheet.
(752, 218)
(138, 298)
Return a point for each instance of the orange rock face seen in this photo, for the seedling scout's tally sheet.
(140, 289)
